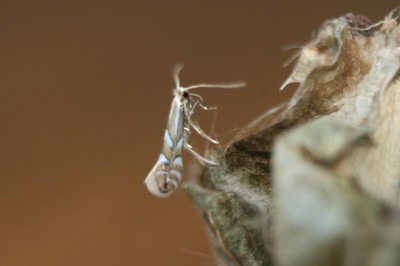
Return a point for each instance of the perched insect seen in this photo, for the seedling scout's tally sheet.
(166, 174)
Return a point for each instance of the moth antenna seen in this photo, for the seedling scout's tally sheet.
(175, 73)
(234, 85)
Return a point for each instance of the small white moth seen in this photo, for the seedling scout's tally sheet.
(166, 174)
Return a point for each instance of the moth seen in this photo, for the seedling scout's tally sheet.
(167, 173)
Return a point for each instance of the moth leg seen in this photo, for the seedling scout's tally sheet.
(201, 159)
(193, 123)
(189, 111)
(212, 127)
(196, 95)
(207, 108)
(200, 103)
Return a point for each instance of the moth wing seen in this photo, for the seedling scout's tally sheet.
(151, 180)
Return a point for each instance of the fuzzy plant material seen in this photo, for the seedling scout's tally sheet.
(316, 181)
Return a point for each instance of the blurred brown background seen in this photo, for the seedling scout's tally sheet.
(85, 89)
